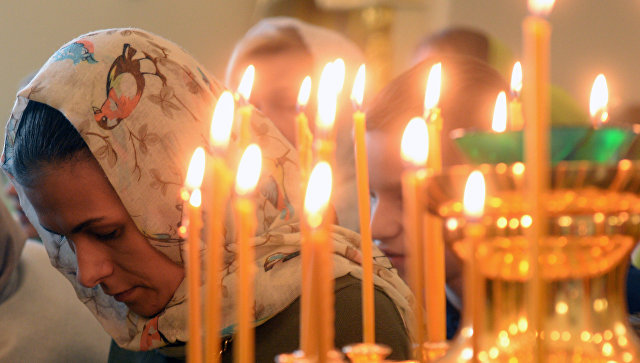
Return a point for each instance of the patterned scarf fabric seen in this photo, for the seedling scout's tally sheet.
(143, 105)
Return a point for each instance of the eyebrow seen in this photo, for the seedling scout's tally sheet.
(78, 227)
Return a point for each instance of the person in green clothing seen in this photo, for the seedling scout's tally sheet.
(99, 174)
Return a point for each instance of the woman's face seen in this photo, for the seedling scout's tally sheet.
(74, 199)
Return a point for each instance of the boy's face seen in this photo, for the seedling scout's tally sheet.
(385, 172)
(385, 180)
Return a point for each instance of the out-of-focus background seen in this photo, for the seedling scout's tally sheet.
(589, 36)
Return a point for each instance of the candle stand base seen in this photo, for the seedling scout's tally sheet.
(593, 222)
(366, 352)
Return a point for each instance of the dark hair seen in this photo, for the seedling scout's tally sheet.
(44, 136)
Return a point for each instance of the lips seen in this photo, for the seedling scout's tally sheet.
(125, 296)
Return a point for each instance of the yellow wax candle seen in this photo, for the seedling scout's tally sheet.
(474, 302)
(244, 90)
(536, 104)
(415, 149)
(364, 208)
(193, 181)
(516, 120)
(320, 338)
(245, 217)
(434, 245)
(304, 141)
(220, 180)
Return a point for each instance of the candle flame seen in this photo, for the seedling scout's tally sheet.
(541, 7)
(246, 83)
(499, 123)
(222, 120)
(432, 94)
(305, 91)
(318, 193)
(195, 173)
(516, 79)
(474, 195)
(196, 198)
(599, 99)
(357, 93)
(415, 142)
(340, 70)
(327, 98)
(249, 170)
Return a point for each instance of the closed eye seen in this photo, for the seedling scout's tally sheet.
(108, 236)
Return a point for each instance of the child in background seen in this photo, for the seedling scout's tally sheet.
(468, 93)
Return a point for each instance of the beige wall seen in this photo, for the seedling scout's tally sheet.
(590, 36)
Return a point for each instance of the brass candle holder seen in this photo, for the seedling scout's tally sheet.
(593, 223)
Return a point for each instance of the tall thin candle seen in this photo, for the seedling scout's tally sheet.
(193, 181)
(362, 177)
(415, 149)
(434, 244)
(536, 104)
(245, 214)
(216, 197)
(321, 287)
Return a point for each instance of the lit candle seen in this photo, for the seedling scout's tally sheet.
(434, 245)
(220, 178)
(499, 123)
(362, 176)
(325, 119)
(515, 106)
(415, 150)
(320, 287)
(536, 104)
(304, 138)
(340, 70)
(598, 101)
(245, 217)
(473, 201)
(193, 181)
(244, 91)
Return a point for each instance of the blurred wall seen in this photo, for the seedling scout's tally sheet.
(589, 36)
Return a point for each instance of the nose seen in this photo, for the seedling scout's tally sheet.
(384, 225)
(94, 263)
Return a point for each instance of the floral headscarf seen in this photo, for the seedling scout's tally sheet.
(143, 104)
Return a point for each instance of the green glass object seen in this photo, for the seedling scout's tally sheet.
(567, 143)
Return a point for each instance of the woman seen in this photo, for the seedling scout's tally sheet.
(469, 90)
(285, 51)
(99, 175)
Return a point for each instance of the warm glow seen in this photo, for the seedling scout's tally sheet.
(499, 123)
(432, 94)
(246, 84)
(327, 98)
(516, 79)
(196, 198)
(195, 173)
(305, 91)
(249, 170)
(474, 194)
(599, 99)
(340, 70)
(357, 93)
(318, 193)
(541, 7)
(222, 120)
(415, 142)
